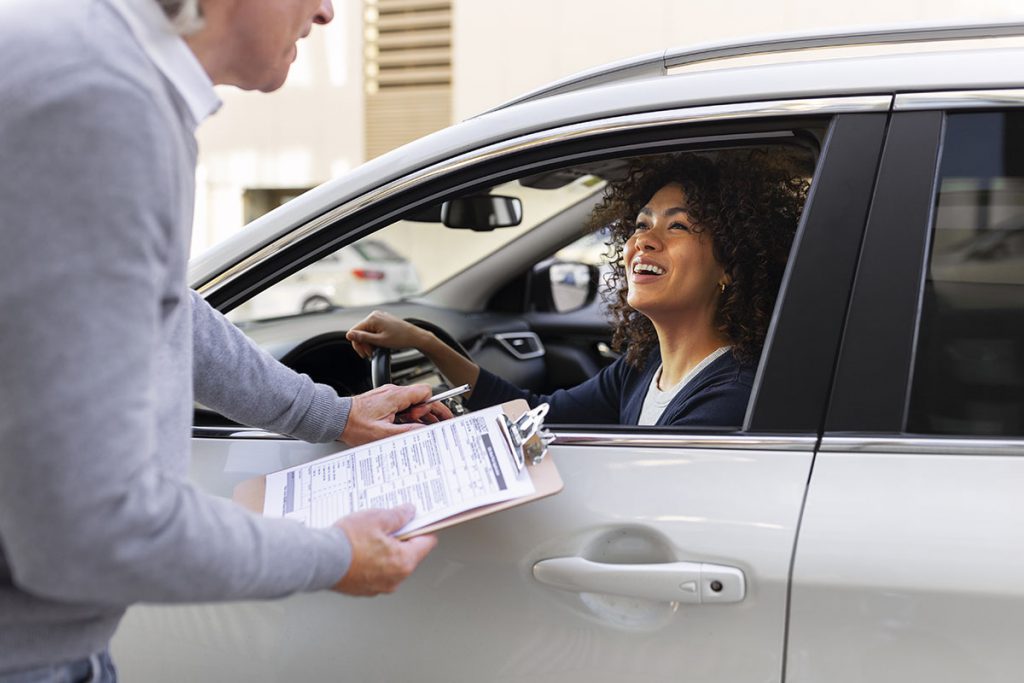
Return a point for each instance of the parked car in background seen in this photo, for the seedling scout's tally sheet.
(362, 274)
(869, 508)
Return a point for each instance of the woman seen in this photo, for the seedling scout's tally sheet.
(700, 243)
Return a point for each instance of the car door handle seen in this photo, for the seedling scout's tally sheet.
(689, 582)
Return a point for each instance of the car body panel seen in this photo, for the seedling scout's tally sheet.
(909, 554)
(908, 567)
(474, 611)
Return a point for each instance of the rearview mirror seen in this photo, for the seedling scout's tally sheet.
(482, 212)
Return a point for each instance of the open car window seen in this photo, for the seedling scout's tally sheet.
(523, 284)
(407, 257)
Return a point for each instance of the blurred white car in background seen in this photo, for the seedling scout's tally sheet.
(363, 274)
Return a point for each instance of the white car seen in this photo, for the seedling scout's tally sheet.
(869, 507)
(362, 274)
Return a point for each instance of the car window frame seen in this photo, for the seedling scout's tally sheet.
(261, 264)
(798, 362)
(860, 128)
(876, 352)
(869, 406)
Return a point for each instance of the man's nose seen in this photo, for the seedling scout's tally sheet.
(325, 13)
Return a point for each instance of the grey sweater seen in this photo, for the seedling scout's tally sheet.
(103, 348)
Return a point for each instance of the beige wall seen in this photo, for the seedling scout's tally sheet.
(305, 133)
(312, 129)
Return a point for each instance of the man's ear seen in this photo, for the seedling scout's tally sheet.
(186, 15)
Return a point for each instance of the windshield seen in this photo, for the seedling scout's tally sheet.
(405, 258)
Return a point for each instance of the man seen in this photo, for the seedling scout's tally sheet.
(103, 348)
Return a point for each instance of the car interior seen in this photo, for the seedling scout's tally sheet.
(510, 275)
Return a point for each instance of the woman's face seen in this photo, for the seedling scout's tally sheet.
(671, 272)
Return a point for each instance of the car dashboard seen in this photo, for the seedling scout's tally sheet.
(315, 344)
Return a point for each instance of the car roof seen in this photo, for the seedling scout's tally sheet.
(649, 84)
(662, 63)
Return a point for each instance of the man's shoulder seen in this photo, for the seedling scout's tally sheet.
(69, 45)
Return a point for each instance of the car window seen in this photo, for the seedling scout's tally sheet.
(969, 370)
(407, 257)
(592, 249)
(538, 304)
(375, 250)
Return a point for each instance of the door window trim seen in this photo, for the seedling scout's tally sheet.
(877, 353)
(795, 376)
(740, 442)
(922, 446)
(587, 437)
(959, 99)
(635, 122)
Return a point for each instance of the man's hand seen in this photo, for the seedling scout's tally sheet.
(379, 561)
(372, 415)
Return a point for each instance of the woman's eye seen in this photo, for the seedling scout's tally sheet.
(679, 226)
(640, 225)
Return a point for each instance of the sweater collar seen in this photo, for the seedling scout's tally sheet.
(646, 376)
(171, 55)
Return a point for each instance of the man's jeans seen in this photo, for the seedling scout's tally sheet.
(96, 669)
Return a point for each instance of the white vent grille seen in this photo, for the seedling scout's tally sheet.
(408, 71)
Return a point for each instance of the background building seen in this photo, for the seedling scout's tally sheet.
(388, 71)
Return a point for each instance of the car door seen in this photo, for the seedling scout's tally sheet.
(667, 555)
(911, 550)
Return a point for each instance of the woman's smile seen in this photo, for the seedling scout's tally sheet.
(644, 270)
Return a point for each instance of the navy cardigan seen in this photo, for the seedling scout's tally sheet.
(716, 397)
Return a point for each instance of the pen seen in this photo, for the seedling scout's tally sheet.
(403, 416)
(451, 393)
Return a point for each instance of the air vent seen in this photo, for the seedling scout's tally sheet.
(522, 345)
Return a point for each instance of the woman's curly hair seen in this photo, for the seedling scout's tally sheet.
(747, 201)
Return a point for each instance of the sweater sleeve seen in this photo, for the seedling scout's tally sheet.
(245, 383)
(87, 513)
(596, 401)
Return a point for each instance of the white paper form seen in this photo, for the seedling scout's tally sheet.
(444, 469)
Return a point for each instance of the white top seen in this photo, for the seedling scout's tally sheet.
(171, 54)
(657, 400)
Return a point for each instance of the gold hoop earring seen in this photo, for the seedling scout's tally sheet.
(722, 285)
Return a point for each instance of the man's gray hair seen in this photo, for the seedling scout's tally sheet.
(186, 15)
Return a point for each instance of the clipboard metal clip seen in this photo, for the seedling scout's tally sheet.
(529, 439)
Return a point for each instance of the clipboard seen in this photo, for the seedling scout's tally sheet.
(527, 441)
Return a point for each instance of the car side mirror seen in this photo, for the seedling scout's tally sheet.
(482, 213)
(563, 287)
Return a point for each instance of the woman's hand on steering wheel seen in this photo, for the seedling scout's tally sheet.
(383, 330)
(375, 336)
(379, 332)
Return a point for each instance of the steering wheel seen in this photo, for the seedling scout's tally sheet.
(380, 361)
